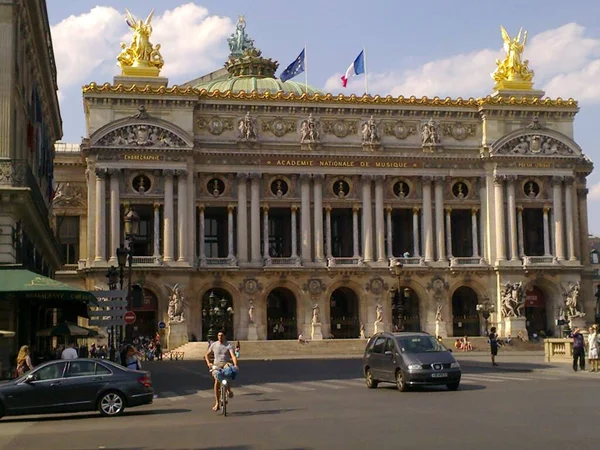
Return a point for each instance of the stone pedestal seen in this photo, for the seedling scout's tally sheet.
(252, 333)
(579, 322)
(437, 328)
(316, 334)
(379, 327)
(514, 325)
(177, 335)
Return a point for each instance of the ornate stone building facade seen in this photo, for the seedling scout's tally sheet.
(293, 205)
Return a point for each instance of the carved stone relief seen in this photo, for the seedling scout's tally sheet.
(141, 135)
(459, 130)
(340, 128)
(279, 127)
(399, 129)
(215, 124)
(251, 286)
(535, 144)
(70, 194)
(376, 286)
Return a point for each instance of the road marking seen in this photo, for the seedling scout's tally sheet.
(203, 374)
(507, 377)
(327, 384)
(292, 386)
(478, 378)
(205, 394)
(261, 388)
(352, 383)
(171, 396)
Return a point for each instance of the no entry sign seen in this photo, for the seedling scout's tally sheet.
(129, 317)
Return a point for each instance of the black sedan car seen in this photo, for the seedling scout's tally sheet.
(76, 385)
(409, 359)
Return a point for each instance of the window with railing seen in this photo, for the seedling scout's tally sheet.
(68, 238)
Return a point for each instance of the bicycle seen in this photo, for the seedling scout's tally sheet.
(223, 376)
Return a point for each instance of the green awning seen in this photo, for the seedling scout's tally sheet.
(23, 284)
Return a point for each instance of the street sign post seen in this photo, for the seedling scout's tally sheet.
(129, 317)
(162, 325)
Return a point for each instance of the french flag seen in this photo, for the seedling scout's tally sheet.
(356, 68)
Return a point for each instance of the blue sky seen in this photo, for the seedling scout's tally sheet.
(433, 48)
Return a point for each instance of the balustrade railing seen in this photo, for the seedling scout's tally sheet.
(283, 261)
(529, 260)
(331, 262)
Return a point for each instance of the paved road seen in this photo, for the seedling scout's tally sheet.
(315, 404)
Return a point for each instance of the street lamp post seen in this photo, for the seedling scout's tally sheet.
(398, 301)
(112, 275)
(486, 309)
(125, 255)
(217, 313)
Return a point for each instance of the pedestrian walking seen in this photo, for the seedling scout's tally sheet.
(69, 352)
(493, 340)
(593, 350)
(24, 363)
(578, 349)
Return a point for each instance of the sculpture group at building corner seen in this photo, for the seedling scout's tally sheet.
(140, 57)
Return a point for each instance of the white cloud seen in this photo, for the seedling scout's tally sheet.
(86, 46)
(566, 64)
(594, 194)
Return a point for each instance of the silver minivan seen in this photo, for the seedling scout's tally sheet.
(409, 359)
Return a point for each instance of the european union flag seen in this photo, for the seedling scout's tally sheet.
(295, 68)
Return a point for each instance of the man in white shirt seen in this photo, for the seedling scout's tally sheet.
(69, 352)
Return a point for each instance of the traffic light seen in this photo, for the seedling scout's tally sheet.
(137, 296)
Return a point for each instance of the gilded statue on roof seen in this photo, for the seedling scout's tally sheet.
(239, 41)
(513, 72)
(140, 57)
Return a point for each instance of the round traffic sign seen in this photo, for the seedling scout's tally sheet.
(129, 317)
(162, 325)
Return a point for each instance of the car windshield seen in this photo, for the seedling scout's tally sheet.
(419, 344)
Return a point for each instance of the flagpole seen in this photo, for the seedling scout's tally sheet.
(366, 72)
(305, 70)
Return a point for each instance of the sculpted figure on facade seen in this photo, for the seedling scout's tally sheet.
(379, 313)
(247, 128)
(513, 300)
(370, 133)
(438, 312)
(176, 309)
(251, 313)
(309, 132)
(430, 134)
(315, 313)
(141, 52)
(572, 300)
(239, 41)
(68, 195)
(512, 68)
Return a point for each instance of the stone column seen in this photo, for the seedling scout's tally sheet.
(355, 232)
(475, 233)
(266, 255)
(390, 248)
(512, 219)
(91, 214)
(499, 205)
(100, 215)
(583, 225)
(318, 217)
(191, 215)
(201, 235)
(379, 218)
(439, 218)
(569, 215)
(427, 220)
(367, 222)
(115, 215)
(449, 232)
(328, 232)
(255, 217)
(156, 252)
(520, 231)
(559, 242)
(182, 208)
(294, 231)
(305, 218)
(168, 217)
(483, 219)
(416, 234)
(230, 251)
(546, 232)
(242, 218)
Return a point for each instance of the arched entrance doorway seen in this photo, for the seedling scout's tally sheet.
(465, 318)
(145, 316)
(218, 322)
(535, 311)
(343, 313)
(405, 310)
(281, 314)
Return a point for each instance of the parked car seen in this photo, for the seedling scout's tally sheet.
(409, 359)
(76, 385)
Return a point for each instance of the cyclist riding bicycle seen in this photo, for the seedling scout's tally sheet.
(223, 355)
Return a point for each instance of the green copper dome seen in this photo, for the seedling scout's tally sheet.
(250, 72)
(259, 84)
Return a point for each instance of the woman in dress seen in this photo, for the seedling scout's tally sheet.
(593, 349)
(24, 361)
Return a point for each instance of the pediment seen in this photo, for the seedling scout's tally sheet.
(141, 131)
(536, 141)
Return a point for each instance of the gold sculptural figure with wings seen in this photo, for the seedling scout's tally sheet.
(140, 57)
(512, 72)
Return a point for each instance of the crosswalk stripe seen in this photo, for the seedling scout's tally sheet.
(171, 396)
(353, 383)
(261, 388)
(507, 377)
(323, 384)
(293, 387)
(477, 378)
(205, 394)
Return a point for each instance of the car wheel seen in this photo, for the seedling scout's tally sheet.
(400, 382)
(452, 386)
(111, 404)
(371, 382)
(1, 411)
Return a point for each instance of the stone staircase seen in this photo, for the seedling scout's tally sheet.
(331, 347)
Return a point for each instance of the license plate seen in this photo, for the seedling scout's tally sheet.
(439, 375)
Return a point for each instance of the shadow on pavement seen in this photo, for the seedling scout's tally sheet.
(504, 367)
(152, 412)
(264, 412)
